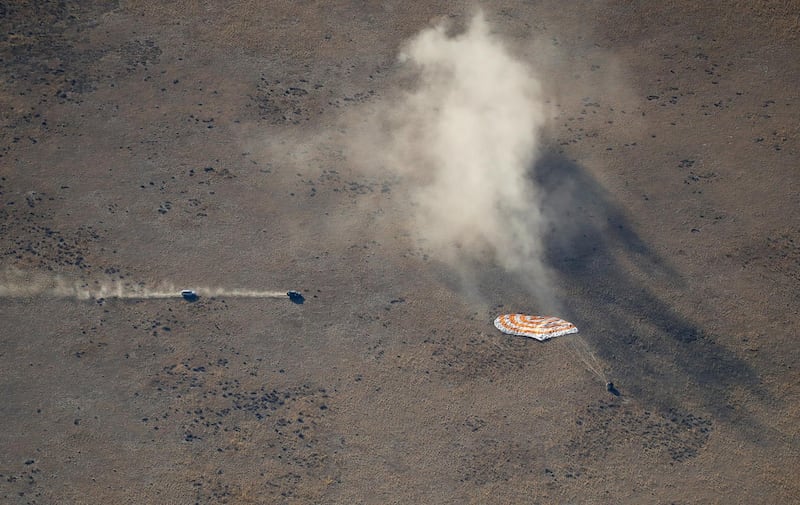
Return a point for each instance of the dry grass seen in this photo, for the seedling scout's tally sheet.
(406, 392)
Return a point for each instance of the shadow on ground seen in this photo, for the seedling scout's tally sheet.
(614, 280)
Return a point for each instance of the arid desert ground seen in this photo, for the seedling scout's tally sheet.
(148, 147)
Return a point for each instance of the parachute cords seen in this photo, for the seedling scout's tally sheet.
(582, 351)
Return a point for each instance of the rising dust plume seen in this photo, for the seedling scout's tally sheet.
(463, 141)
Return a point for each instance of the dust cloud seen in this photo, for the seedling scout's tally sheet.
(462, 141)
(16, 283)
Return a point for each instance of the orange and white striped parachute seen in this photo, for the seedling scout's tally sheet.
(538, 327)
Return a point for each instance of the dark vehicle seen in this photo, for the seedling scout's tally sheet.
(189, 295)
(296, 297)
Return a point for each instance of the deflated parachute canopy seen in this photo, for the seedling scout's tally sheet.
(538, 327)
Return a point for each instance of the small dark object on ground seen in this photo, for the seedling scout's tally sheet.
(296, 297)
(612, 389)
(189, 295)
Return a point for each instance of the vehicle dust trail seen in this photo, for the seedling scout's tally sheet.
(19, 284)
(240, 293)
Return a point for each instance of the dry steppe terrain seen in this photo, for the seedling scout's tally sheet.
(205, 144)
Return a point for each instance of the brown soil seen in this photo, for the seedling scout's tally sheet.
(178, 141)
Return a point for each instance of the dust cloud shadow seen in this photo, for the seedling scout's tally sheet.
(611, 280)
